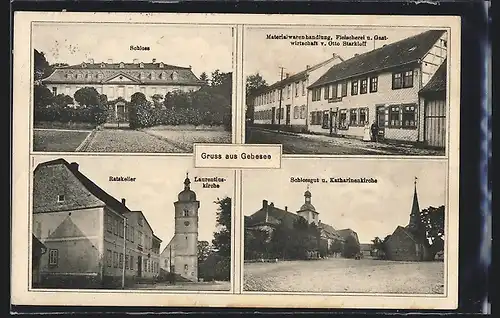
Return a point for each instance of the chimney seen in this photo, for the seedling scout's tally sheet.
(287, 74)
(356, 54)
(74, 166)
(307, 67)
(286, 208)
(264, 203)
(271, 204)
(110, 61)
(91, 61)
(123, 201)
(136, 61)
(154, 60)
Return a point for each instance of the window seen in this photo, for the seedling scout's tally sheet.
(288, 89)
(302, 111)
(326, 120)
(354, 87)
(303, 88)
(115, 226)
(120, 229)
(53, 257)
(296, 112)
(175, 75)
(161, 65)
(296, 89)
(408, 79)
(316, 94)
(140, 221)
(363, 116)
(409, 116)
(397, 81)
(343, 119)
(109, 222)
(373, 84)
(185, 212)
(132, 234)
(343, 89)
(353, 117)
(152, 75)
(122, 65)
(326, 94)
(140, 238)
(186, 267)
(120, 265)
(131, 262)
(126, 261)
(141, 65)
(394, 116)
(99, 76)
(60, 198)
(102, 65)
(115, 259)
(109, 258)
(54, 91)
(334, 91)
(364, 86)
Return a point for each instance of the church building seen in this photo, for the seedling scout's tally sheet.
(409, 243)
(180, 256)
(269, 216)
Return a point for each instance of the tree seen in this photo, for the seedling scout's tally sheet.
(42, 68)
(157, 100)
(336, 247)
(254, 83)
(203, 251)
(351, 247)
(433, 220)
(222, 237)
(134, 108)
(204, 77)
(42, 97)
(87, 96)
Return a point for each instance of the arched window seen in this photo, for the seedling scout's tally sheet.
(152, 75)
(186, 267)
(102, 65)
(161, 64)
(186, 212)
(84, 65)
(175, 75)
(141, 65)
(122, 65)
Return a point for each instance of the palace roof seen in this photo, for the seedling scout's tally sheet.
(126, 73)
(406, 51)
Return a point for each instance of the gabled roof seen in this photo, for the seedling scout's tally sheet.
(274, 216)
(89, 185)
(406, 51)
(295, 77)
(437, 83)
(112, 76)
(404, 231)
(347, 232)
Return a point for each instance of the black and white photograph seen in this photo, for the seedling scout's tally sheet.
(347, 91)
(372, 226)
(107, 223)
(131, 88)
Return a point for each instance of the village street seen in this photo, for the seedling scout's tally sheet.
(184, 286)
(340, 275)
(297, 143)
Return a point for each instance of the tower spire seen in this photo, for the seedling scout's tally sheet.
(187, 182)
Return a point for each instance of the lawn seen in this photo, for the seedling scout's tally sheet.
(58, 140)
(60, 125)
(339, 275)
(185, 137)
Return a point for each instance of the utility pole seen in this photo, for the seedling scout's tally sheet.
(124, 250)
(281, 96)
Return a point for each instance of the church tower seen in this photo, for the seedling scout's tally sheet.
(415, 225)
(186, 233)
(307, 210)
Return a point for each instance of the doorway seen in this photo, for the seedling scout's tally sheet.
(287, 119)
(435, 123)
(381, 121)
(139, 266)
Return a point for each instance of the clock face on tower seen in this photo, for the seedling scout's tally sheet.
(186, 223)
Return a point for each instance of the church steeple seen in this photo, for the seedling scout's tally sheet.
(187, 182)
(415, 224)
(307, 210)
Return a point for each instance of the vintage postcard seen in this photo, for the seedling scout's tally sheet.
(221, 160)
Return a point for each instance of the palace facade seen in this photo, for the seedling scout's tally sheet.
(121, 80)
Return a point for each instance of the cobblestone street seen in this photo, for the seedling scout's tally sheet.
(295, 143)
(339, 275)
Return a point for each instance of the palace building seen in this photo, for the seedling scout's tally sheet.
(383, 86)
(269, 216)
(121, 80)
(285, 103)
(180, 256)
(89, 238)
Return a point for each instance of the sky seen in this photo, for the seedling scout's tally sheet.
(204, 48)
(159, 181)
(267, 56)
(369, 209)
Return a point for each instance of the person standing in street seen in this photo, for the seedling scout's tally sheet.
(375, 129)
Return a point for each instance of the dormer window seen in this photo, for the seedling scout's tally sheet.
(87, 76)
(175, 75)
(122, 65)
(141, 65)
(84, 65)
(60, 198)
(152, 75)
(163, 75)
(99, 76)
(102, 65)
(161, 65)
(68, 75)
